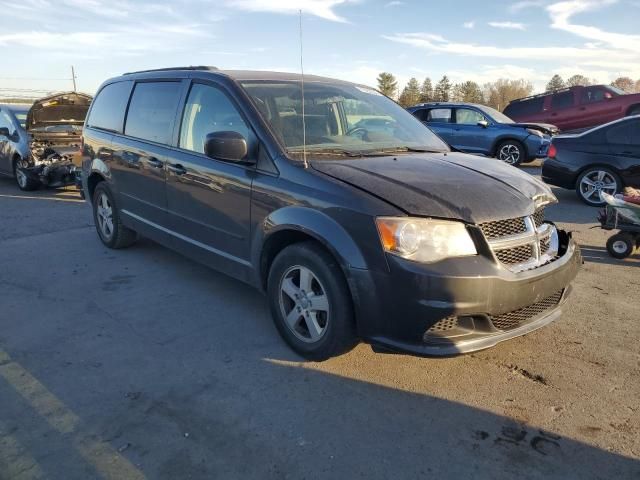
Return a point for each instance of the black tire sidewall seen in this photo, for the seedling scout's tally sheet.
(591, 170)
(340, 334)
(30, 185)
(622, 237)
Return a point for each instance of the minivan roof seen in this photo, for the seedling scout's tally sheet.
(238, 75)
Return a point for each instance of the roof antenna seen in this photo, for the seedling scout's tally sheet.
(304, 124)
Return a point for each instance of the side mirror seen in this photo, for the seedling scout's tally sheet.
(483, 123)
(226, 145)
(4, 132)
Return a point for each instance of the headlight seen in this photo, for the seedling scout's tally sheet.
(535, 132)
(424, 240)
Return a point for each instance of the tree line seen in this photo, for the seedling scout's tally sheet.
(496, 94)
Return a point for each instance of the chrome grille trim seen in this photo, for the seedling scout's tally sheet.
(511, 249)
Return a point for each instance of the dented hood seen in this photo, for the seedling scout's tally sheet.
(452, 186)
(543, 127)
(68, 108)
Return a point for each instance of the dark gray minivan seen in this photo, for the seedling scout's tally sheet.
(355, 219)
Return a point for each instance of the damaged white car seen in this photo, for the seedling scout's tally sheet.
(53, 141)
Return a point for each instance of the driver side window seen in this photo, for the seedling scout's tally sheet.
(5, 122)
(209, 110)
(464, 116)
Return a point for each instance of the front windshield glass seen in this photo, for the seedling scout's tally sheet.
(617, 91)
(341, 119)
(496, 115)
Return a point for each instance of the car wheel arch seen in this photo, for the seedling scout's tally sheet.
(633, 110)
(294, 224)
(92, 182)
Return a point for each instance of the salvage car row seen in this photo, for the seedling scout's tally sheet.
(333, 200)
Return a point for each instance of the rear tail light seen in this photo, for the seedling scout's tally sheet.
(553, 151)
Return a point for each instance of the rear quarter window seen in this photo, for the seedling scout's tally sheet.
(627, 133)
(152, 111)
(107, 112)
(525, 107)
(562, 100)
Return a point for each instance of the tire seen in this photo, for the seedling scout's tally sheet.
(595, 180)
(315, 331)
(633, 111)
(24, 182)
(511, 152)
(107, 219)
(621, 245)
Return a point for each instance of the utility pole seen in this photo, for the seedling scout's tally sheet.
(73, 77)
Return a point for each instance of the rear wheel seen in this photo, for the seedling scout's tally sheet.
(621, 245)
(310, 302)
(511, 152)
(107, 219)
(595, 181)
(24, 182)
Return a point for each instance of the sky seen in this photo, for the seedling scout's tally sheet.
(347, 39)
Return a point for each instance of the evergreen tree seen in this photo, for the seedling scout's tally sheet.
(410, 94)
(442, 92)
(556, 83)
(426, 92)
(470, 92)
(387, 84)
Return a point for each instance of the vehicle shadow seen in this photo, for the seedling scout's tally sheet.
(8, 188)
(594, 254)
(180, 370)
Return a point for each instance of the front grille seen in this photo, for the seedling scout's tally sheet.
(511, 320)
(516, 255)
(443, 325)
(545, 245)
(538, 217)
(503, 228)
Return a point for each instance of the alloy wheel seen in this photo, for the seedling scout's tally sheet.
(104, 212)
(304, 304)
(619, 247)
(509, 153)
(21, 177)
(597, 182)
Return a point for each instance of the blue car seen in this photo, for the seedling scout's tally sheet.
(482, 130)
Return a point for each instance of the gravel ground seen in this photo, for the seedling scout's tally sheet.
(140, 363)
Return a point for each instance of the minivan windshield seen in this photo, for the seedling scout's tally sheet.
(339, 119)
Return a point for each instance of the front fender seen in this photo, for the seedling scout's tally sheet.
(313, 223)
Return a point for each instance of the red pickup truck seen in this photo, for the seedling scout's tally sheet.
(575, 107)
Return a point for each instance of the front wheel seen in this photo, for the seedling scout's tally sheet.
(621, 245)
(310, 302)
(511, 152)
(595, 181)
(25, 182)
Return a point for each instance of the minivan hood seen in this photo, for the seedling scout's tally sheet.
(442, 185)
(69, 108)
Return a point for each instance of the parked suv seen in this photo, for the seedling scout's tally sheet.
(382, 235)
(478, 129)
(576, 108)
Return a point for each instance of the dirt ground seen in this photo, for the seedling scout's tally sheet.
(140, 363)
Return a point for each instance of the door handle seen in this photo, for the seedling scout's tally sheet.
(154, 162)
(583, 108)
(177, 169)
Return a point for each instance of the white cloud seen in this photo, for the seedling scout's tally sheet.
(525, 4)
(319, 8)
(394, 3)
(561, 14)
(507, 25)
(469, 25)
